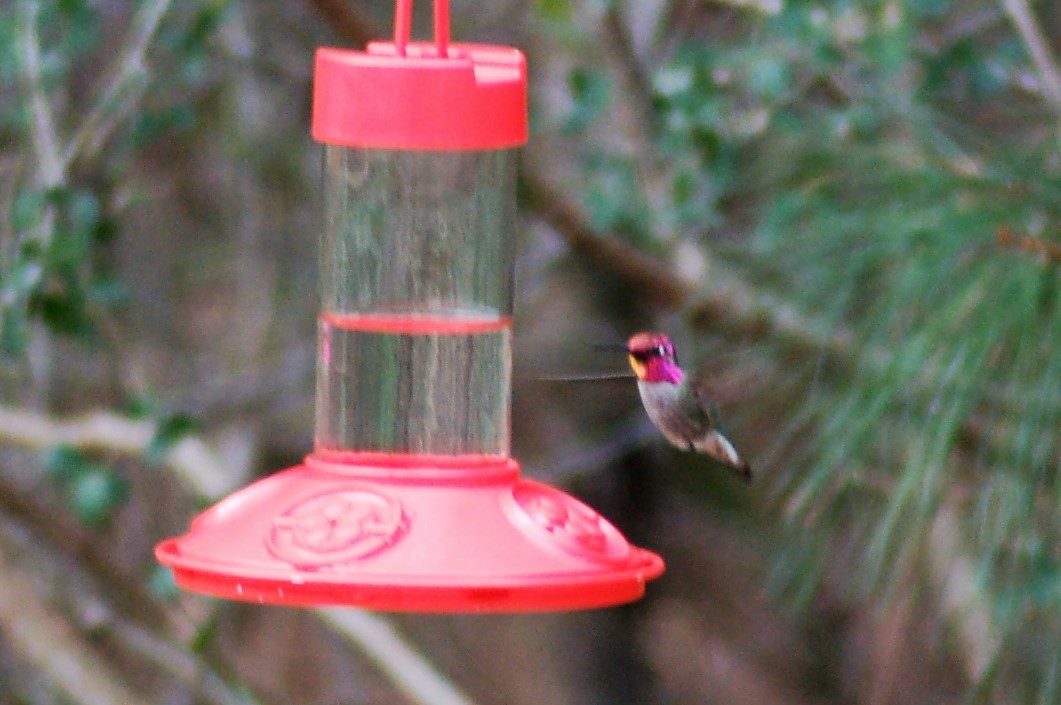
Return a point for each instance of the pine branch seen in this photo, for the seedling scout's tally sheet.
(1039, 48)
(722, 297)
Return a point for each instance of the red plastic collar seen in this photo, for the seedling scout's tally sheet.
(429, 96)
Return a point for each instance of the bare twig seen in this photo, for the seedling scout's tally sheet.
(125, 82)
(403, 664)
(190, 457)
(42, 124)
(175, 660)
(96, 598)
(50, 173)
(22, 505)
(1039, 48)
(765, 7)
(40, 636)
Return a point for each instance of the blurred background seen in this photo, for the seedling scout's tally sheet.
(845, 213)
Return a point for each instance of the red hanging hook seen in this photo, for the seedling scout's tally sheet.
(403, 19)
(442, 27)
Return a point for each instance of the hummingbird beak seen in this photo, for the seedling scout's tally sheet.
(610, 347)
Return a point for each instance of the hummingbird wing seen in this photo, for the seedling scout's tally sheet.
(706, 403)
(712, 441)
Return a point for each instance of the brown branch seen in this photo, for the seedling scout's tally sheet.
(635, 75)
(401, 662)
(719, 299)
(650, 278)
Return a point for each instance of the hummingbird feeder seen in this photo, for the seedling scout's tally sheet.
(410, 500)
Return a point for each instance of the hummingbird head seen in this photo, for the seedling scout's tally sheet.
(652, 358)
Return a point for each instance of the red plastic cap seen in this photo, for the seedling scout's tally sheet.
(473, 98)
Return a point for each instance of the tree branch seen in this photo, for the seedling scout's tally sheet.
(406, 668)
(720, 297)
(180, 663)
(40, 636)
(197, 465)
(126, 72)
(98, 598)
(42, 125)
(650, 277)
(636, 77)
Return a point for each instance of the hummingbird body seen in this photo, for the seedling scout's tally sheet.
(675, 403)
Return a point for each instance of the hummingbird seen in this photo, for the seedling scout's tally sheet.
(676, 402)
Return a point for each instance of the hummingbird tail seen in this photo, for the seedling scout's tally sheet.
(718, 446)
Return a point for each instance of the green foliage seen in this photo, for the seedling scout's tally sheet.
(205, 636)
(58, 279)
(591, 93)
(161, 583)
(53, 266)
(555, 9)
(613, 200)
(93, 490)
(171, 429)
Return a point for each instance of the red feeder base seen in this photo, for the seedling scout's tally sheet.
(409, 533)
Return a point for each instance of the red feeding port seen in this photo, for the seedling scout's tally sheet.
(410, 500)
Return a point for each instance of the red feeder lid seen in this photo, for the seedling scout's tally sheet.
(409, 533)
(422, 96)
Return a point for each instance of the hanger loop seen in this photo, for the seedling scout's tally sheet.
(403, 19)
